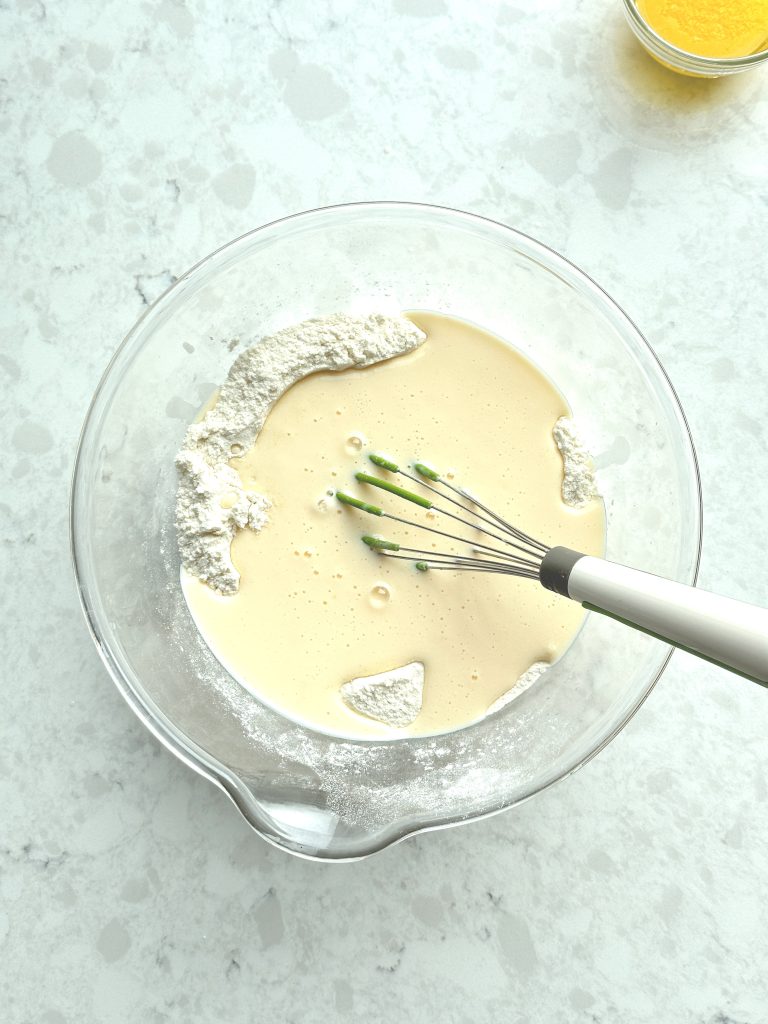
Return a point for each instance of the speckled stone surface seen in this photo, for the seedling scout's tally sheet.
(137, 138)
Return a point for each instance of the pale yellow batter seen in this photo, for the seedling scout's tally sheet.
(316, 608)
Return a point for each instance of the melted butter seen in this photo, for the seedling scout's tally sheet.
(710, 28)
(316, 607)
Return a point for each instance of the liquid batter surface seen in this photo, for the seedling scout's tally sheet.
(317, 608)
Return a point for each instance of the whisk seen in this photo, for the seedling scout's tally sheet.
(726, 632)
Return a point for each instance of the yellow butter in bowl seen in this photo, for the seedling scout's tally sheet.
(709, 28)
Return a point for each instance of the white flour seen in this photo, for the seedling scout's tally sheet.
(392, 697)
(579, 485)
(528, 678)
(211, 502)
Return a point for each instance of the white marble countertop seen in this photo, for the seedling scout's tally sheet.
(137, 138)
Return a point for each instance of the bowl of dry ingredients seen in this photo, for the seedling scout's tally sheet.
(702, 38)
(344, 701)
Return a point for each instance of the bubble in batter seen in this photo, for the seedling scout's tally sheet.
(380, 595)
(355, 443)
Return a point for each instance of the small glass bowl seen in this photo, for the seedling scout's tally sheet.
(680, 60)
(312, 794)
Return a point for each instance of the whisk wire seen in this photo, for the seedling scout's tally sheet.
(520, 541)
(452, 536)
(523, 561)
(396, 551)
(446, 497)
(525, 537)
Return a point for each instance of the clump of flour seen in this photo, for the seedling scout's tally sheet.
(211, 502)
(528, 678)
(393, 697)
(579, 484)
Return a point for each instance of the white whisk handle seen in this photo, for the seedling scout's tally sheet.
(730, 633)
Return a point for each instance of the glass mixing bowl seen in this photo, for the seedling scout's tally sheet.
(310, 793)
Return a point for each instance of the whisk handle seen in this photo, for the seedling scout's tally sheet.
(729, 633)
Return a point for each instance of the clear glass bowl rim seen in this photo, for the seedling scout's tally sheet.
(158, 723)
